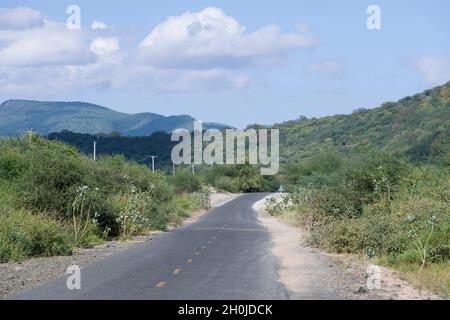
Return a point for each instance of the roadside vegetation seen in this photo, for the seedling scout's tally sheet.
(53, 199)
(231, 178)
(376, 183)
(375, 204)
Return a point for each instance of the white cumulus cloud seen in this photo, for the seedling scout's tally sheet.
(211, 39)
(205, 50)
(20, 18)
(50, 44)
(105, 45)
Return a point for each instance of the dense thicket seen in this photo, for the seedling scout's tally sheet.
(53, 198)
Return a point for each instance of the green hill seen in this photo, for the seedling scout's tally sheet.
(45, 117)
(418, 126)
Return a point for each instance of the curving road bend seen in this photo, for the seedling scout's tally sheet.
(225, 254)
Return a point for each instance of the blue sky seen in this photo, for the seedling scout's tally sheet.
(240, 63)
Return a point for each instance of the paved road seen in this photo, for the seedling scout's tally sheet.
(225, 254)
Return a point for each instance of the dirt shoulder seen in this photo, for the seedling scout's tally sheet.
(347, 273)
(19, 276)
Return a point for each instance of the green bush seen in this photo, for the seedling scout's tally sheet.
(185, 181)
(88, 198)
(24, 235)
(11, 163)
(50, 175)
(46, 176)
(249, 179)
(185, 204)
(227, 184)
(383, 207)
(317, 171)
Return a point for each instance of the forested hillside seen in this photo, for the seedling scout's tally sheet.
(418, 126)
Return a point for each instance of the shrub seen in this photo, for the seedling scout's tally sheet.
(51, 175)
(276, 206)
(249, 179)
(227, 184)
(11, 163)
(186, 182)
(184, 204)
(24, 235)
(374, 175)
(83, 201)
(382, 207)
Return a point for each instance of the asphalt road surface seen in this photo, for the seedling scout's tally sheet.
(225, 254)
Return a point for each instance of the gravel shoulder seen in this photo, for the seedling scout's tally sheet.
(345, 273)
(19, 276)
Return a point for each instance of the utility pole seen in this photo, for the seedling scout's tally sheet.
(95, 151)
(29, 133)
(153, 162)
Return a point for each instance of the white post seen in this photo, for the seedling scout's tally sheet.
(95, 151)
(153, 163)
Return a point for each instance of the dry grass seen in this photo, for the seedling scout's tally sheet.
(434, 277)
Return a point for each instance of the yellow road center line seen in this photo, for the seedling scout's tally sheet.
(160, 284)
(176, 271)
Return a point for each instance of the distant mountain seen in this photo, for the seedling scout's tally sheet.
(418, 126)
(46, 117)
